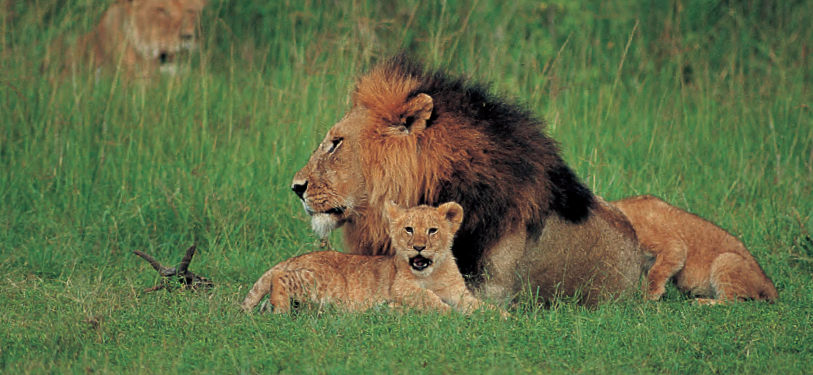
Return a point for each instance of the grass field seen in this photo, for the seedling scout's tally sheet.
(91, 170)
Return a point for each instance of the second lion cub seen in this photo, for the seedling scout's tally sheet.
(422, 273)
(702, 258)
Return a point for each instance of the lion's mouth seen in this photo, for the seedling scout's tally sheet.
(335, 211)
(325, 222)
(166, 57)
(419, 263)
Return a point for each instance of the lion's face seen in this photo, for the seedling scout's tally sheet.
(331, 186)
(365, 160)
(161, 29)
(422, 236)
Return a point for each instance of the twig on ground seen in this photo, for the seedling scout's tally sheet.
(187, 278)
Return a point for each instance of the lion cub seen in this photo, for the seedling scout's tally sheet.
(422, 273)
(703, 259)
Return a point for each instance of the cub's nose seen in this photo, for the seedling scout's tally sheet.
(299, 188)
(187, 37)
(419, 248)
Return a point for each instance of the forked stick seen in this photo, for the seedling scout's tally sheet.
(187, 278)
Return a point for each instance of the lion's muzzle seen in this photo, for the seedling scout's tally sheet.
(300, 188)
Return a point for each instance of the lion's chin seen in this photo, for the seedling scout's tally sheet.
(169, 69)
(324, 223)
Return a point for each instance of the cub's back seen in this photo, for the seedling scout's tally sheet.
(351, 269)
(658, 223)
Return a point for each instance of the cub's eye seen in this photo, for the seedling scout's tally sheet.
(432, 231)
(335, 144)
(160, 11)
(408, 230)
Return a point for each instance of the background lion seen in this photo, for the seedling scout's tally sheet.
(702, 258)
(417, 137)
(144, 36)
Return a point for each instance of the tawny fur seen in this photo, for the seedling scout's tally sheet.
(143, 36)
(357, 282)
(419, 137)
(702, 259)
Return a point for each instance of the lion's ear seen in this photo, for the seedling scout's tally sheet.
(453, 213)
(416, 112)
(392, 210)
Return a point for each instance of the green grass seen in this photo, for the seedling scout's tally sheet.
(90, 171)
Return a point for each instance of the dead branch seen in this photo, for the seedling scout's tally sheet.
(185, 277)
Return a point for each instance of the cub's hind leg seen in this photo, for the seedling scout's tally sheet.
(261, 288)
(282, 291)
(733, 277)
(273, 283)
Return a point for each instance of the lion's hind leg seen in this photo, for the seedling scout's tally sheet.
(733, 277)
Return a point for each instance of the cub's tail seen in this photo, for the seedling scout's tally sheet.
(260, 289)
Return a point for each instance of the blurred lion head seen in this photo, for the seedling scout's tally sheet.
(161, 29)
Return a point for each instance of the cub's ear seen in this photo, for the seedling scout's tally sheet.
(416, 112)
(453, 213)
(392, 210)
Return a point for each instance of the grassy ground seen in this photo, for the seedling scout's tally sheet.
(90, 171)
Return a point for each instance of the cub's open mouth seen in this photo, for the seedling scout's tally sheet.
(419, 263)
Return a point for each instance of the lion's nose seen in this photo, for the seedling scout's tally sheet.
(299, 188)
(419, 248)
(187, 37)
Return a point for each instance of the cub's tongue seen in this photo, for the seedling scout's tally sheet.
(419, 263)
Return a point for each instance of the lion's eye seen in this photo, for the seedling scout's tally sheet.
(160, 11)
(408, 230)
(335, 144)
(432, 231)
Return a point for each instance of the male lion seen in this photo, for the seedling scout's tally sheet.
(418, 137)
(145, 36)
(703, 259)
(421, 274)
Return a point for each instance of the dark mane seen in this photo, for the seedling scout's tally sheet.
(511, 174)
